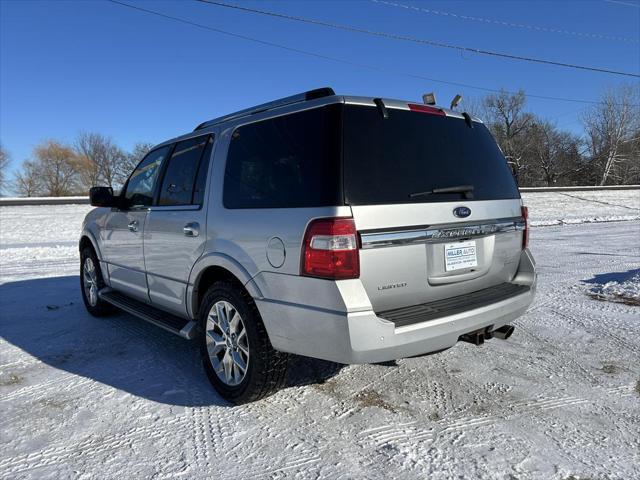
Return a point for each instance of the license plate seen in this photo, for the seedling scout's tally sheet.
(460, 255)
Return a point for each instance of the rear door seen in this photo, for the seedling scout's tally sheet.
(433, 199)
(122, 237)
(175, 230)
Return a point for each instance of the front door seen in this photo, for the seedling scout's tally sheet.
(175, 231)
(123, 234)
(122, 242)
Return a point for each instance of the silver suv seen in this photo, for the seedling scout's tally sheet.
(350, 229)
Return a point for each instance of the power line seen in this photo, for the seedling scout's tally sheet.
(628, 4)
(536, 28)
(432, 43)
(341, 60)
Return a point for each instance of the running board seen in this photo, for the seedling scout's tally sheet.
(172, 323)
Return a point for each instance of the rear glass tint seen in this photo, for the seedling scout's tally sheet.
(386, 160)
(285, 162)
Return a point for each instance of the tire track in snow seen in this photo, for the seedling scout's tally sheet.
(198, 416)
(410, 433)
(559, 361)
(90, 446)
(68, 381)
(200, 441)
(63, 382)
(305, 462)
(605, 332)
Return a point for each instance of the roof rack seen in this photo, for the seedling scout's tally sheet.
(301, 97)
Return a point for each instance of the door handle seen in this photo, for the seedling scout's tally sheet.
(133, 226)
(191, 229)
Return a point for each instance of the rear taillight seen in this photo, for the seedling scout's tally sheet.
(416, 107)
(330, 249)
(525, 233)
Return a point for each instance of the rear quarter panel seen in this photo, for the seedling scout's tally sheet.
(241, 236)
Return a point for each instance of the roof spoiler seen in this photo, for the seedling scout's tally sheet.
(300, 97)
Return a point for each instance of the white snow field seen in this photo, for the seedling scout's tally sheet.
(82, 397)
(589, 206)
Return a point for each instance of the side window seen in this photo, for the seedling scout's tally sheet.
(183, 183)
(141, 184)
(201, 176)
(285, 162)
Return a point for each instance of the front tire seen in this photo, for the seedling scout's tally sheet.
(91, 283)
(236, 352)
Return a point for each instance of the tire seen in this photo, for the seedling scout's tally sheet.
(228, 345)
(91, 282)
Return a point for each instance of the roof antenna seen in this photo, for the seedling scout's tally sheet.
(456, 100)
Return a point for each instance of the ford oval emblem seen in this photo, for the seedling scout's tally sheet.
(462, 212)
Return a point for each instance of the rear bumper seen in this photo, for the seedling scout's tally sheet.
(364, 337)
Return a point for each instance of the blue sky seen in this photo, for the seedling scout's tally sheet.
(71, 66)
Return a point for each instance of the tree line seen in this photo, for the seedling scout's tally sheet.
(607, 152)
(56, 169)
(542, 154)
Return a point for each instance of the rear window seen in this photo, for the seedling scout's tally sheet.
(387, 160)
(288, 161)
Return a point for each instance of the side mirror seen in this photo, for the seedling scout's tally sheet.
(102, 197)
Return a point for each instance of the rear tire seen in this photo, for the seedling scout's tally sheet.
(91, 283)
(236, 352)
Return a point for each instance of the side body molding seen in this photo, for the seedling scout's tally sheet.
(216, 259)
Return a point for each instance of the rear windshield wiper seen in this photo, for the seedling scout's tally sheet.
(467, 190)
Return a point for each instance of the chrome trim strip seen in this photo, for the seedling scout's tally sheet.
(174, 208)
(441, 232)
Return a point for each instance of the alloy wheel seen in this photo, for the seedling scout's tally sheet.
(227, 343)
(90, 281)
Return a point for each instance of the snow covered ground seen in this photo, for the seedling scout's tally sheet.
(102, 398)
(562, 208)
(617, 287)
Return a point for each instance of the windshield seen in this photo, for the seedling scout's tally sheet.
(388, 160)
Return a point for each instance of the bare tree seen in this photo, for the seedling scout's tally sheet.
(609, 126)
(114, 166)
(89, 150)
(100, 160)
(510, 125)
(474, 106)
(555, 154)
(58, 167)
(4, 164)
(629, 170)
(133, 158)
(28, 180)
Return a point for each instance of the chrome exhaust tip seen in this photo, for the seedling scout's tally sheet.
(503, 332)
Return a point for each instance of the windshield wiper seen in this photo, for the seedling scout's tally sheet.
(467, 190)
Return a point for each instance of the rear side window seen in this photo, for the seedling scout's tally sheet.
(201, 176)
(387, 160)
(141, 183)
(182, 182)
(285, 162)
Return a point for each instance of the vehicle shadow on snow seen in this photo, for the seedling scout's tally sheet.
(45, 317)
